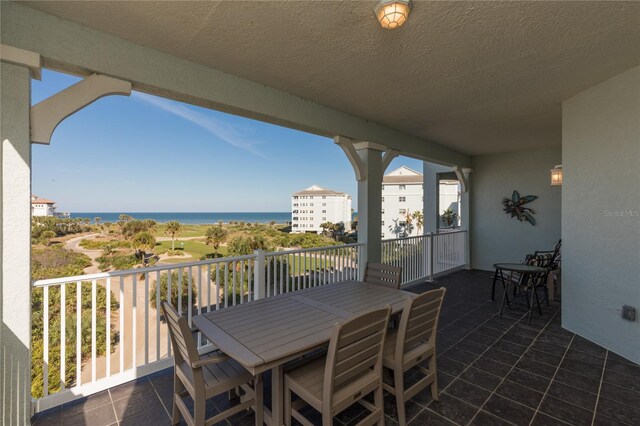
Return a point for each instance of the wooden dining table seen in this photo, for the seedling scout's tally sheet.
(267, 333)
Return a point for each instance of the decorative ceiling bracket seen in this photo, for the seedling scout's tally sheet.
(49, 113)
(463, 177)
(350, 151)
(387, 158)
(23, 58)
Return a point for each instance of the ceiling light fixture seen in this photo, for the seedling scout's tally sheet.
(392, 14)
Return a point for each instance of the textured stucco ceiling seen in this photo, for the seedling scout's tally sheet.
(478, 77)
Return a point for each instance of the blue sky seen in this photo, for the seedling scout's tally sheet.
(147, 154)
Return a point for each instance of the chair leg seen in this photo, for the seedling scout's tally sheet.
(177, 390)
(199, 410)
(434, 385)
(535, 291)
(398, 383)
(259, 401)
(327, 418)
(546, 295)
(287, 406)
(378, 402)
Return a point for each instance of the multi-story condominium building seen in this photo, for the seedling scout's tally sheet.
(402, 196)
(316, 205)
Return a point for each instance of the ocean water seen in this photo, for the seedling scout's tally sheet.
(192, 218)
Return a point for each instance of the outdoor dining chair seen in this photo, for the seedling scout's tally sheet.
(351, 370)
(382, 274)
(413, 343)
(206, 376)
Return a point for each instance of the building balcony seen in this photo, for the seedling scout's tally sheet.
(491, 369)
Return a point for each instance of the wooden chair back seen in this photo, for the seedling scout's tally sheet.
(384, 275)
(419, 322)
(184, 347)
(355, 349)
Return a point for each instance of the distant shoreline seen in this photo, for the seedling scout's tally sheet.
(192, 218)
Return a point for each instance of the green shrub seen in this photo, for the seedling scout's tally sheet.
(37, 333)
(56, 262)
(93, 244)
(184, 289)
(118, 262)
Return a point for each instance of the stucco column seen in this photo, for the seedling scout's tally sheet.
(430, 193)
(15, 231)
(370, 206)
(465, 213)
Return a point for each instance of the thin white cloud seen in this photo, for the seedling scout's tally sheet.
(223, 131)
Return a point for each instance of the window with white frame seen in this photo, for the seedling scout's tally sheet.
(402, 199)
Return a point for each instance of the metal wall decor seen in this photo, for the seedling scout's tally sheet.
(515, 207)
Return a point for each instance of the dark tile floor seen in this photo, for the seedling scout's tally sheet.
(491, 371)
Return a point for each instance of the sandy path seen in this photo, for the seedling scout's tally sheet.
(143, 310)
(74, 245)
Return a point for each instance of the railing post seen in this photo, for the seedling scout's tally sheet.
(362, 261)
(432, 257)
(259, 276)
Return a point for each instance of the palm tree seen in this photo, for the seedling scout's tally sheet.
(215, 236)
(419, 217)
(326, 226)
(172, 229)
(143, 242)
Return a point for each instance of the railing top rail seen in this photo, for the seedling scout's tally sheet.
(336, 247)
(413, 237)
(440, 232)
(111, 274)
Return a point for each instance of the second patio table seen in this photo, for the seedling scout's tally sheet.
(264, 334)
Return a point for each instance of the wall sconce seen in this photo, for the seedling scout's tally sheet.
(556, 175)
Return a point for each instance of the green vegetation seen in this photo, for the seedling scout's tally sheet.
(131, 228)
(101, 244)
(58, 226)
(189, 247)
(143, 242)
(183, 291)
(214, 236)
(37, 333)
(47, 236)
(54, 261)
(172, 229)
(449, 217)
(117, 261)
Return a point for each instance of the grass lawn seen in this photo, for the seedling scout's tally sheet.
(187, 231)
(193, 248)
(298, 264)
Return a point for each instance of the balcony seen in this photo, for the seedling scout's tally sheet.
(491, 370)
(79, 310)
(544, 83)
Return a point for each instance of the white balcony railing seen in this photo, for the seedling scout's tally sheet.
(425, 256)
(103, 329)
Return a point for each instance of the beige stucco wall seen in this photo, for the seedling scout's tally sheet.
(496, 237)
(601, 207)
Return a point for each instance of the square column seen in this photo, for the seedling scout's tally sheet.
(370, 206)
(15, 231)
(465, 212)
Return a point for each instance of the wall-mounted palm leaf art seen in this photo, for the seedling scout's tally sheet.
(515, 207)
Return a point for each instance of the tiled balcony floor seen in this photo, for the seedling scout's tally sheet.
(491, 371)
